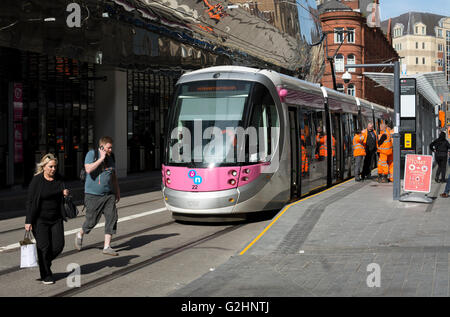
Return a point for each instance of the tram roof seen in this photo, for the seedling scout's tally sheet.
(337, 100)
(380, 111)
(277, 78)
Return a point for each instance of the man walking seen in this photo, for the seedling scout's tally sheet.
(99, 197)
(370, 138)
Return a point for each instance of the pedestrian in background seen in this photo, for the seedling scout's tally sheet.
(359, 153)
(370, 136)
(102, 192)
(440, 147)
(45, 214)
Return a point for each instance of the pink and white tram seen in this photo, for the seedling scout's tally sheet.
(242, 141)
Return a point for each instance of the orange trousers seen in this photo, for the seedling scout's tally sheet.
(383, 166)
(386, 165)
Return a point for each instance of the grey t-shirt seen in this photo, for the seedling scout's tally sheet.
(99, 181)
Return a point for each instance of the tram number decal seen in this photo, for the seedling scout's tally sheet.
(196, 178)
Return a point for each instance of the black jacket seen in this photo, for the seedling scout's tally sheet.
(34, 196)
(441, 146)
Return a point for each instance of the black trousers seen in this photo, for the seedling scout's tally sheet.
(49, 237)
(442, 167)
(367, 168)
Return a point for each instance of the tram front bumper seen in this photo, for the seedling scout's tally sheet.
(217, 202)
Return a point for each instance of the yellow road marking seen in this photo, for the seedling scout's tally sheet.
(284, 210)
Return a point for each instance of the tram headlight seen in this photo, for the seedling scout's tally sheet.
(233, 172)
(168, 181)
(168, 172)
(232, 182)
(247, 171)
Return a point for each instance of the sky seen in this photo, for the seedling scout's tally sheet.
(394, 8)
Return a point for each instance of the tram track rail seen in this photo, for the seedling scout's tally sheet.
(143, 264)
(97, 244)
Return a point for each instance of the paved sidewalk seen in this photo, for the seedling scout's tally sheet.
(323, 246)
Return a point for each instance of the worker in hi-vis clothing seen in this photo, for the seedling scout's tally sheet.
(359, 152)
(385, 162)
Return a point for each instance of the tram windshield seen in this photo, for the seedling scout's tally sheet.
(220, 123)
(204, 121)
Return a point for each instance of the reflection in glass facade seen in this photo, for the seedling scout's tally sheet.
(54, 113)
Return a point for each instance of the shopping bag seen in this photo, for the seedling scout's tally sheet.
(28, 252)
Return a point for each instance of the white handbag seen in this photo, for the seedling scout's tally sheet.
(28, 252)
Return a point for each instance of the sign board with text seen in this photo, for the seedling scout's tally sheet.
(408, 97)
(418, 170)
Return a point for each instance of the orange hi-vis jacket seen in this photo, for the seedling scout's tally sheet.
(305, 163)
(322, 141)
(358, 145)
(386, 146)
(442, 118)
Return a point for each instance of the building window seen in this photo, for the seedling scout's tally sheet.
(423, 30)
(417, 45)
(398, 46)
(417, 61)
(351, 90)
(417, 30)
(423, 60)
(351, 61)
(351, 36)
(440, 47)
(340, 88)
(439, 33)
(338, 35)
(339, 63)
(423, 45)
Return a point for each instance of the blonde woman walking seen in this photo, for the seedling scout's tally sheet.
(45, 214)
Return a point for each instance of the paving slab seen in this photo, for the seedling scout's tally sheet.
(328, 245)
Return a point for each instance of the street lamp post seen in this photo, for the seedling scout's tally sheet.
(396, 136)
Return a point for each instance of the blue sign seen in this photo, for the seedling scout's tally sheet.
(197, 179)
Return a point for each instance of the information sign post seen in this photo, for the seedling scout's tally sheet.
(418, 170)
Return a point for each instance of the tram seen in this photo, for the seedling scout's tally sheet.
(242, 141)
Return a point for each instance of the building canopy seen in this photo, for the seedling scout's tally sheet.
(430, 85)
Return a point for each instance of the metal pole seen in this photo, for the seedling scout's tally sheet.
(333, 74)
(396, 137)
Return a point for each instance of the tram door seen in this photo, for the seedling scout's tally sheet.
(337, 137)
(295, 153)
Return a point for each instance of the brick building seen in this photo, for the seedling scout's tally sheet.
(345, 25)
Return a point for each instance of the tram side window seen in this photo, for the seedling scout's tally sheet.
(355, 123)
(264, 124)
(364, 122)
(319, 123)
(347, 134)
(307, 137)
